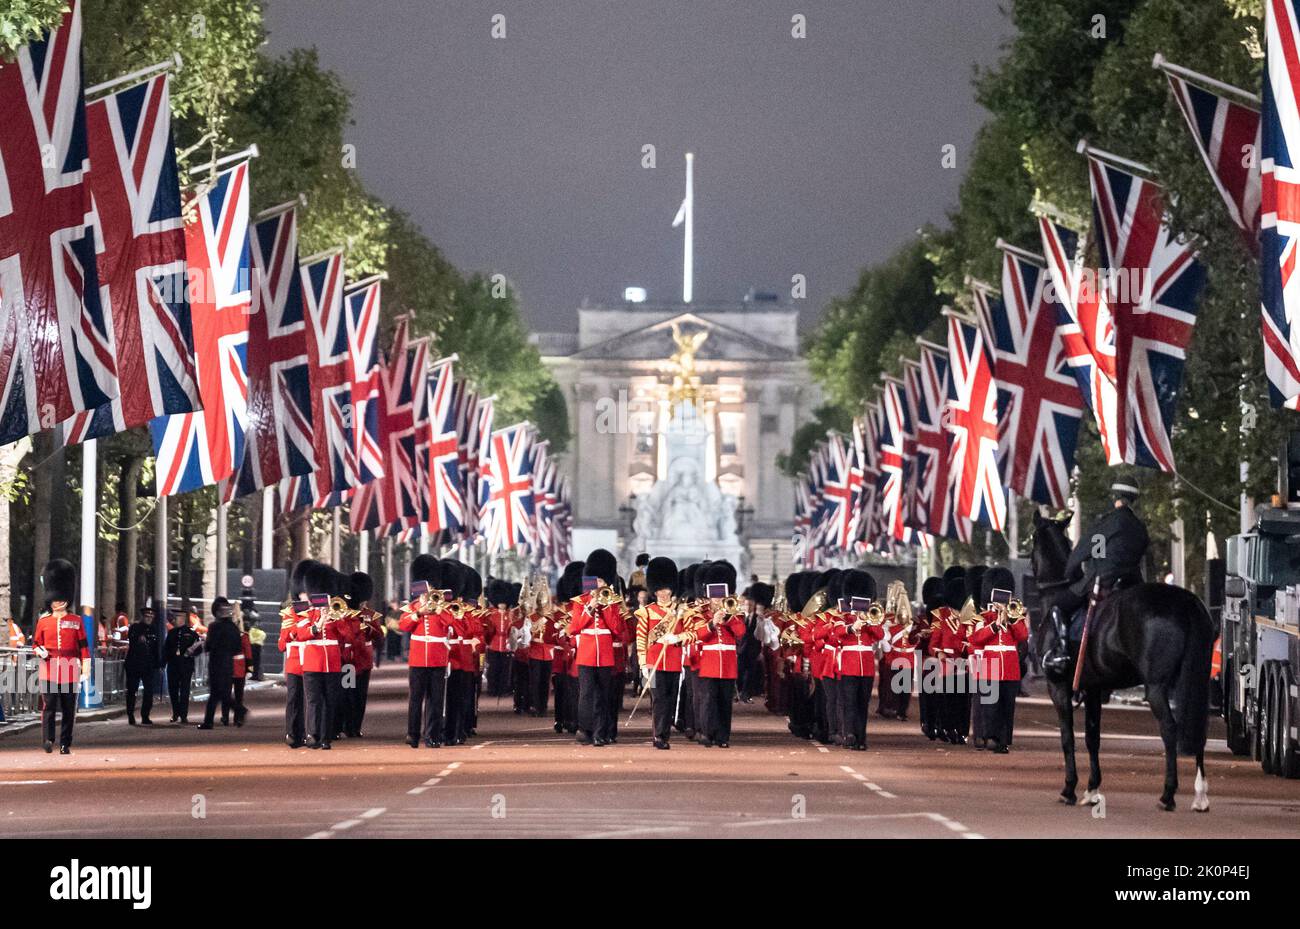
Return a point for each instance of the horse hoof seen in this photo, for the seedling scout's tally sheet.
(1092, 797)
(1167, 805)
(1068, 799)
(1201, 806)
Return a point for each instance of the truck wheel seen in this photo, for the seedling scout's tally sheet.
(1238, 738)
(1288, 758)
(1266, 719)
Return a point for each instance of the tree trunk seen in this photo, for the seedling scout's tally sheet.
(128, 546)
(10, 457)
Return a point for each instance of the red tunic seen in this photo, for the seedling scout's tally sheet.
(431, 635)
(324, 639)
(718, 647)
(543, 649)
(243, 657)
(464, 644)
(496, 629)
(367, 627)
(658, 656)
(1001, 660)
(902, 645)
(595, 630)
(855, 651)
(64, 638)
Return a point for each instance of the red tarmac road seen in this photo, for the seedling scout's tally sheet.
(518, 779)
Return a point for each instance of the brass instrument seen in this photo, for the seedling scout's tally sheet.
(779, 601)
(875, 615)
(731, 606)
(1016, 610)
(606, 596)
(816, 603)
(456, 609)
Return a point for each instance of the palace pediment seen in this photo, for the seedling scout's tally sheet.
(654, 342)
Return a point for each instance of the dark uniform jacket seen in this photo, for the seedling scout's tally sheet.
(222, 644)
(1125, 545)
(180, 639)
(141, 647)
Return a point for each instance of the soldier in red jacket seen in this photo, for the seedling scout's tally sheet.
(60, 642)
(293, 616)
(431, 626)
(367, 633)
(718, 637)
(1003, 627)
(543, 639)
(325, 635)
(565, 664)
(594, 625)
(659, 636)
(463, 674)
(948, 643)
(931, 600)
(497, 623)
(854, 635)
(895, 691)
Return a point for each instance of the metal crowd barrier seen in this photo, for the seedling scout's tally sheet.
(20, 702)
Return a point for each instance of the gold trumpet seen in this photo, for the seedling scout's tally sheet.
(606, 596)
(875, 615)
(1016, 610)
(456, 609)
(731, 606)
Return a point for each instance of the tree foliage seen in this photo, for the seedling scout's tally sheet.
(23, 20)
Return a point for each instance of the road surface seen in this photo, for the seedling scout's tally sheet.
(518, 778)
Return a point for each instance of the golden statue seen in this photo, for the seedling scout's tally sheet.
(686, 383)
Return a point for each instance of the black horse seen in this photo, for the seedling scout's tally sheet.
(1152, 634)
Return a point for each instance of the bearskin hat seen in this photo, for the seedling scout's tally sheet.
(686, 580)
(762, 594)
(809, 582)
(857, 583)
(360, 589)
(320, 579)
(793, 587)
(451, 576)
(932, 593)
(298, 580)
(954, 592)
(975, 580)
(60, 581)
(831, 581)
(472, 584)
(955, 571)
(496, 591)
(721, 572)
(660, 574)
(512, 593)
(995, 578)
(602, 564)
(570, 583)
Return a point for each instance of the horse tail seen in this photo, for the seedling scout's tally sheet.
(1193, 686)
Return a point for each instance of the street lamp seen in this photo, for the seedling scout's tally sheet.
(628, 512)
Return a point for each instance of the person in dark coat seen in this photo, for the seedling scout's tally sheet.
(1111, 551)
(140, 664)
(223, 643)
(179, 648)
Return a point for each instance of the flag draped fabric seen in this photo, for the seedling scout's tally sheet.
(895, 461)
(56, 340)
(841, 492)
(362, 309)
(446, 493)
(1280, 192)
(973, 422)
(141, 263)
(506, 491)
(1039, 421)
(206, 446)
(280, 432)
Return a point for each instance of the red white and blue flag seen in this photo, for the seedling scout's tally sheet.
(895, 461)
(973, 422)
(1040, 400)
(280, 425)
(866, 450)
(56, 340)
(446, 493)
(506, 491)
(362, 306)
(1151, 284)
(1279, 286)
(137, 212)
(936, 497)
(206, 446)
(841, 493)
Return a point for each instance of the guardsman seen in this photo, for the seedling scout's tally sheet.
(795, 664)
(899, 656)
(595, 620)
(293, 615)
(565, 665)
(855, 628)
(242, 665)
(179, 648)
(948, 642)
(367, 628)
(432, 626)
(60, 642)
(922, 634)
(324, 635)
(141, 664)
(814, 634)
(719, 635)
(461, 661)
(222, 644)
(542, 641)
(497, 624)
(659, 636)
(684, 714)
(1003, 627)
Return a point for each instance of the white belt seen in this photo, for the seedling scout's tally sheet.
(595, 632)
(429, 638)
(719, 648)
(999, 648)
(856, 648)
(321, 642)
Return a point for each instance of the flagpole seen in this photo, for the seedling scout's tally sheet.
(268, 528)
(160, 557)
(1160, 63)
(89, 504)
(223, 549)
(388, 568)
(688, 256)
(363, 551)
(336, 538)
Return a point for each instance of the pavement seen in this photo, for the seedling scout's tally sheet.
(519, 779)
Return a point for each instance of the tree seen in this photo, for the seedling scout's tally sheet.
(24, 20)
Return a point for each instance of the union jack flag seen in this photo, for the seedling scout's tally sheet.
(895, 460)
(539, 453)
(362, 306)
(134, 186)
(1073, 296)
(935, 501)
(973, 422)
(801, 539)
(480, 436)
(1279, 286)
(866, 450)
(206, 446)
(506, 492)
(280, 424)
(56, 341)
(841, 493)
(1152, 280)
(1039, 419)
(447, 495)
(399, 501)
(1227, 134)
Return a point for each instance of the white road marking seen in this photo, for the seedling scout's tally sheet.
(22, 783)
(320, 835)
(473, 748)
(345, 825)
(823, 749)
(377, 811)
(432, 782)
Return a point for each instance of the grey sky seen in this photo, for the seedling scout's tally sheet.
(523, 155)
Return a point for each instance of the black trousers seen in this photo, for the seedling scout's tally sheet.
(519, 684)
(134, 680)
(178, 689)
(895, 693)
(424, 711)
(717, 694)
(539, 684)
(220, 681)
(801, 705)
(322, 693)
(955, 704)
(854, 696)
(354, 703)
(999, 716)
(460, 704)
(498, 673)
(617, 685)
(684, 719)
(666, 685)
(593, 701)
(240, 711)
(255, 672)
(295, 726)
(60, 699)
(823, 710)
